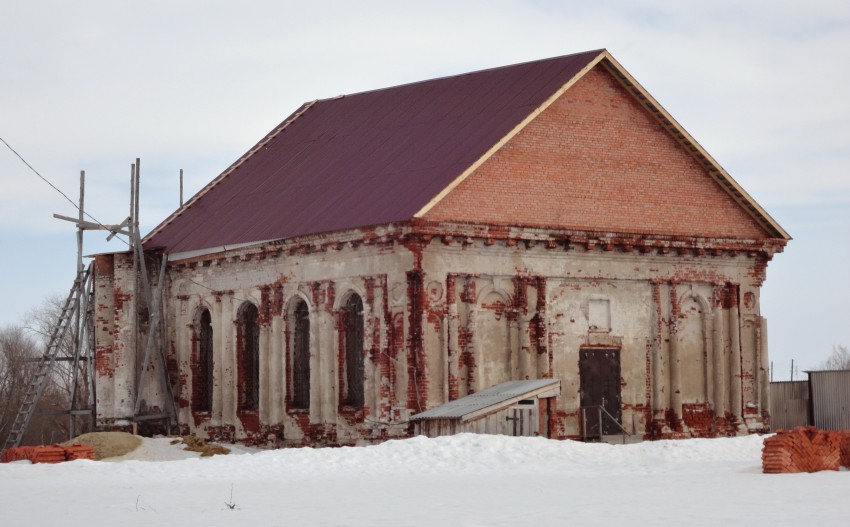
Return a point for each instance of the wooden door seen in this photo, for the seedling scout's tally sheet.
(522, 419)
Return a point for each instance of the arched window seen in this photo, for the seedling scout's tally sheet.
(248, 357)
(301, 356)
(352, 326)
(202, 371)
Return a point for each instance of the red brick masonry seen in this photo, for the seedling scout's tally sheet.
(596, 160)
(48, 453)
(805, 449)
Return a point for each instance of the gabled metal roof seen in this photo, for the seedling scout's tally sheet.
(389, 155)
(365, 159)
(491, 399)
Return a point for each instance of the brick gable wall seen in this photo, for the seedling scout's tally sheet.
(596, 160)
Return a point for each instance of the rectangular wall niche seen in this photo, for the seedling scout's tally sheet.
(599, 315)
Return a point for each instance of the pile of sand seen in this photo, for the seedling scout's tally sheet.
(118, 444)
(108, 444)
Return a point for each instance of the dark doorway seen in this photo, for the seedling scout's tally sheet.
(599, 369)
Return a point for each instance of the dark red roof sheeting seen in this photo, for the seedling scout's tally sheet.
(365, 159)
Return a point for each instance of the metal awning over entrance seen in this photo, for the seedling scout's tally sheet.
(519, 408)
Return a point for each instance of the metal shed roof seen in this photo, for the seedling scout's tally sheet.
(491, 399)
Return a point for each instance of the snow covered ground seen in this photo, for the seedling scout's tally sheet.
(452, 481)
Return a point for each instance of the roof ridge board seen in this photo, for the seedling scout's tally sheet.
(694, 148)
(458, 75)
(438, 107)
(229, 170)
(416, 105)
(551, 72)
(507, 87)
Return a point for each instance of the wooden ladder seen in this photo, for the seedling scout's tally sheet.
(45, 363)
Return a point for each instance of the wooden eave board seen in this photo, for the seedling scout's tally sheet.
(717, 172)
(727, 183)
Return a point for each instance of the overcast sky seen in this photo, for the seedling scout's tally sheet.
(763, 86)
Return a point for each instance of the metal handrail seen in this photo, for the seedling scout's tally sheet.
(601, 409)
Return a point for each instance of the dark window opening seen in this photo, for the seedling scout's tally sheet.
(352, 323)
(301, 357)
(202, 381)
(249, 358)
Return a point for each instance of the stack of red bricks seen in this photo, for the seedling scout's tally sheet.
(48, 453)
(845, 448)
(805, 449)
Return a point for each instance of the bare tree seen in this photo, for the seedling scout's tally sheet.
(15, 372)
(839, 360)
(20, 349)
(41, 322)
(17, 367)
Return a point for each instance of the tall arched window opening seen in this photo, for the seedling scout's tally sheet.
(202, 374)
(301, 356)
(248, 356)
(352, 326)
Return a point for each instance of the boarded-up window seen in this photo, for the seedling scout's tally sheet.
(352, 327)
(248, 353)
(202, 372)
(496, 362)
(599, 315)
(693, 349)
(301, 356)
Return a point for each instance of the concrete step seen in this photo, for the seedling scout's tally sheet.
(618, 439)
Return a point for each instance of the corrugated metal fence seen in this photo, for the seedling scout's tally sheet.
(789, 404)
(830, 393)
(822, 401)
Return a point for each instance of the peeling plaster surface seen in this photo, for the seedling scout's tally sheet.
(683, 321)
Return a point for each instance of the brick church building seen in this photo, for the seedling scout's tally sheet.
(380, 254)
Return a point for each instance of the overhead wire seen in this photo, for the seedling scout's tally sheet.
(76, 206)
(57, 189)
